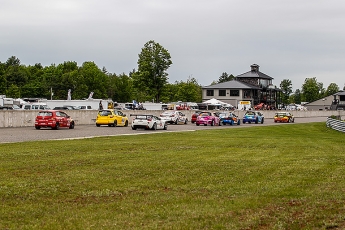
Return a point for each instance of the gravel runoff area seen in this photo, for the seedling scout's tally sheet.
(23, 134)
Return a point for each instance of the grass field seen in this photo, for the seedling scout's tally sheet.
(266, 177)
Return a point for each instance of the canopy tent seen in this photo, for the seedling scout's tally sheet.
(216, 102)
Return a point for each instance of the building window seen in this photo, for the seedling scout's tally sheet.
(234, 93)
(209, 92)
(222, 92)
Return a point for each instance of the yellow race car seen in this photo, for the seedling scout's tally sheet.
(284, 117)
(111, 117)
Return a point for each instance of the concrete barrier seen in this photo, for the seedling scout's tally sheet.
(26, 118)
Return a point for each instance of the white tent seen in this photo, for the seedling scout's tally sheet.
(216, 102)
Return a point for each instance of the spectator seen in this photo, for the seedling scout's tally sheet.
(100, 107)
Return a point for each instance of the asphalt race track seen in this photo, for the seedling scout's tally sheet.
(11, 135)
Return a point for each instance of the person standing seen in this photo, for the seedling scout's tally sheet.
(100, 107)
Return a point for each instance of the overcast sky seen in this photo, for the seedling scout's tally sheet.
(288, 39)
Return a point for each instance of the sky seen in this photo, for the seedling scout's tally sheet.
(288, 39)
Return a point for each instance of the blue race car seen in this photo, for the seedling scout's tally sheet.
(253, 116)
(229, 118)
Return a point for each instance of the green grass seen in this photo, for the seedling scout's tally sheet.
(268, 177)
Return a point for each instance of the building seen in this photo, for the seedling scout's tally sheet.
(331, 102)
(338, 102)
(253, 86)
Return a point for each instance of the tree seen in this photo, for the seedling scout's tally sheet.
(225, 77)
(286, 87)
(311, 89)
(153, 62)
(297, 97)
(170, 92)
(332, 89)
(189, 91)
(120, 88)
(95, 80)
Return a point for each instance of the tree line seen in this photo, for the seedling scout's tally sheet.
(148, 83)
(310, 91)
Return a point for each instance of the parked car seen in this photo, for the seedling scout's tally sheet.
(53, 119)
(229, 118)
(111, 117)
(253, 116)
(145, 121)
(284, 117)
(207, 118)
(36, 106)
(195, 115)
(174, 117)
(6, 108)
(87, 107)
(62, 108)
(259, 106)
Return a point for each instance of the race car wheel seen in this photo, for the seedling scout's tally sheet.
(175, 122)
(154, 127)
(134, 128)
(71, 126)
(115, 123)
(37, 127)
(165, 127)
(212, 123)
(238, 122)
(197, 124)
(224, 123)
(262, 120)
(57, 126)
(256, 121)
(185, 121)
(126, 123)
(293, 120)
(98, 125)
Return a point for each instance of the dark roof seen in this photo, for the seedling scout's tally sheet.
(340, 93)
(233, 84)
(254, 74)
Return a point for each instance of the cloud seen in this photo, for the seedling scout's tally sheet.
(288, 39)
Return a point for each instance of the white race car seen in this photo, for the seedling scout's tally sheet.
(174, 117)
(148, 122)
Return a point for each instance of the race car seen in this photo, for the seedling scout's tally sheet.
(207, 118)
(284, 117)
(111, 117)
(253, 116)
(229, 118)
(145, 121)
(54, 119)
(174, 117)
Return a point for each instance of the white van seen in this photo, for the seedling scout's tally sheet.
(36, 106)
(84, 107)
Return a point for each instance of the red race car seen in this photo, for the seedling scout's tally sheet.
(53, 119)
(194, 116)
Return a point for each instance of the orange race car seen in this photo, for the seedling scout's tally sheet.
(284, 117)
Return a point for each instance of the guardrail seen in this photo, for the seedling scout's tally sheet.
(335, 124)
